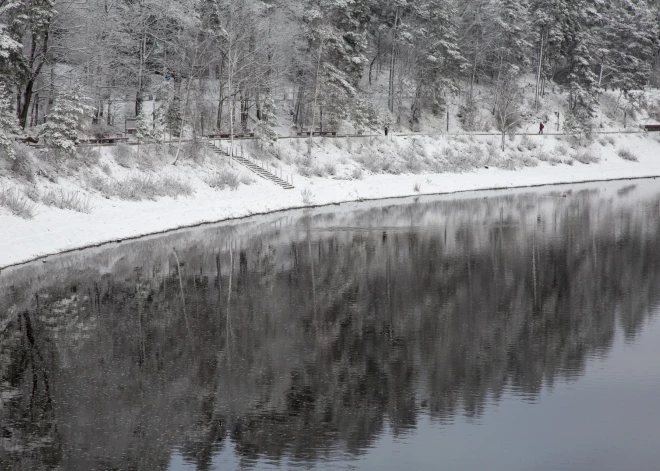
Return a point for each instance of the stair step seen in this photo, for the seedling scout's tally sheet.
(262, 172)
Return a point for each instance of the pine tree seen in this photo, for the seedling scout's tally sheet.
(336, 37)
(512, 26)
(148, 128)
(264, 129)
(8, 45)
(365, 115)
(441, 62)
(631, 37)
(582, 43)
(65, 120)
(8, 122)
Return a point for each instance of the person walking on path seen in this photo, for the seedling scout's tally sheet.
(385, 131)
(541, 126)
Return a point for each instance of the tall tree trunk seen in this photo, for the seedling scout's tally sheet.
(392, 54)
(35, 69)
(316, 93)
(474, 68)
(538, 75)
(600, 73)
(497, 86)
(35, 111)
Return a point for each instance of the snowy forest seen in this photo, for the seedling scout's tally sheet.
(193, 67)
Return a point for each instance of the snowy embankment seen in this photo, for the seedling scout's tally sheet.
(52, 230)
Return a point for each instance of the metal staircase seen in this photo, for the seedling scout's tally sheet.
(254, 167)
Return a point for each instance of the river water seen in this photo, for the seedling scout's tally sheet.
(500, 330)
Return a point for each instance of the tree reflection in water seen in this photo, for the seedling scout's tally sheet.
(307, 336)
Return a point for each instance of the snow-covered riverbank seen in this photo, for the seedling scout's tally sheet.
(53, 230)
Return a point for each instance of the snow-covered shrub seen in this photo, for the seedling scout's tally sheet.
(63, 199)
(65, 119)
(145, 187)
(586, 157)
(21, 165)
(195, 150)
(307, 196)
(554, 160)
(357, 173)
(371, 160)
(543, 156)
(247, 179)
(16, 202)
(88, 155)
(528, 161)
(124, 155)
(223, 179)
(627, 155)
(32, 192)
(331, 169)
(102, 185)
(318, 171)
(561, 149)
(528, 143)
(475, 152)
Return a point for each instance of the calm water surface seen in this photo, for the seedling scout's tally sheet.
(500, 331)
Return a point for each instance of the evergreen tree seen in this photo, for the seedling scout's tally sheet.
(365, 115)
(148, 126)
(631, 39)
(582, 44)
(8, 124)
(440, 62)
(264, 129)
(8, 45)
(65, 120)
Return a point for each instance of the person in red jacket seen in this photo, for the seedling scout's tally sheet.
(541, 126)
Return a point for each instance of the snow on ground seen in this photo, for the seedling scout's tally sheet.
(53, 230)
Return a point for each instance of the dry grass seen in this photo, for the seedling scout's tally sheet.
(63, 199)
(586, 157)
(307, 196)
(357, 173)
(138, 188)
(124, 155)
(16, 202)
(627, 155)
(224, 179)
(147, 187)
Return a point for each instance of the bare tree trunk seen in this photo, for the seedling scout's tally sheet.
(474, 69)
(193, 65)
(392, 54)
(497, 87)
(316, 92)
(538, 75)
(138, 93)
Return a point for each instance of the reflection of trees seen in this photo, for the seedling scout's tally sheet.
(118, 369)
